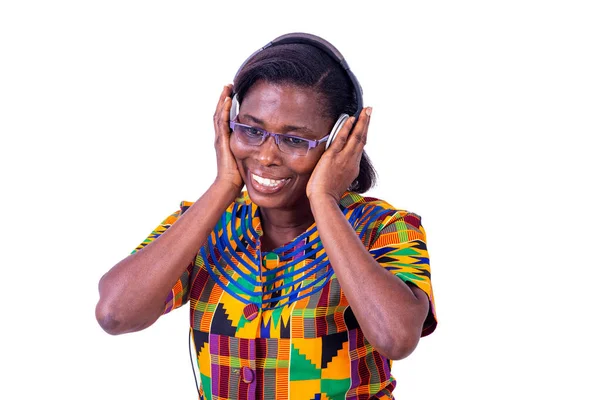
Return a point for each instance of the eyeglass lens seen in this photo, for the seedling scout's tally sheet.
(255, 137)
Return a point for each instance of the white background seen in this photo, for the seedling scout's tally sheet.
(484, 120)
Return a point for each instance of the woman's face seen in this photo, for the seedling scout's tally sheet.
(274, 179)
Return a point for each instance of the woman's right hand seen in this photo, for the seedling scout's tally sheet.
(227, 171)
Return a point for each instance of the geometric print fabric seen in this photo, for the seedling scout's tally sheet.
(277, 325)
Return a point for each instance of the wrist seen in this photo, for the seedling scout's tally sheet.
(226, 189)
(320, 201)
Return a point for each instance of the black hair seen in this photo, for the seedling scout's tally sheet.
(307, 66)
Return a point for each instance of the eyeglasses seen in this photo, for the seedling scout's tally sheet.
(288, 144)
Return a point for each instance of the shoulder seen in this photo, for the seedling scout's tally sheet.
(361, 206)
(183, 206)
(242, 199)
(373, 219)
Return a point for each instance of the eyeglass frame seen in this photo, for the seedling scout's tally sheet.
(265, 135)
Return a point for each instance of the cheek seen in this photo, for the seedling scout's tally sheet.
(305, 166)
(239, 155)
(236, 150)
(233, 145)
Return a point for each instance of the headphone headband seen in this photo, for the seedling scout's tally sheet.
(322, 44)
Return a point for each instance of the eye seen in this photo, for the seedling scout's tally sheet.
(294, 141)
(251, 131)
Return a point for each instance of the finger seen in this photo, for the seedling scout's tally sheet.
(221, 117)
(368, 111)
(340, 140)
(226, 92)
(222, 120)
(358, 136)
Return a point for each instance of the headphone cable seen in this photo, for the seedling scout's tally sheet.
(192, 362)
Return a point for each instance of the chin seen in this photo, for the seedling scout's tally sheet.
(265, 200)
(285, 197)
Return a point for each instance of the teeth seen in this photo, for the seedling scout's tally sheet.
(266, 181)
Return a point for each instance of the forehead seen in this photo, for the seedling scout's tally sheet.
(279, 105)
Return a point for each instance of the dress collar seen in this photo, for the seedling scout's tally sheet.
(348, 200)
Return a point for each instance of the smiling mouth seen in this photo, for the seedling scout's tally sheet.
(267, 184)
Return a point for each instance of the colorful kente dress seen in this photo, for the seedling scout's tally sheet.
(277, 325)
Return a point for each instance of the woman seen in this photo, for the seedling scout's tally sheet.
(298, 287)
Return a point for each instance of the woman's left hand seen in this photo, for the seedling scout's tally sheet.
(340, 163)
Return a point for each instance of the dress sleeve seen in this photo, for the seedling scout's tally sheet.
(180, 292)
(399, 245)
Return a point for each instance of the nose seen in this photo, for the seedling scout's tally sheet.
(268, 152)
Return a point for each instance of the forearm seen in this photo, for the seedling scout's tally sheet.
(388, 312)
(132, 293)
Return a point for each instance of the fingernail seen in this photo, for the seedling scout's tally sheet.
(368, 111)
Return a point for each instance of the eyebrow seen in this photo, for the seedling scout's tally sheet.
(286, 128)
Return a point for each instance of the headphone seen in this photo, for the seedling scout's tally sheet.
(329, 49)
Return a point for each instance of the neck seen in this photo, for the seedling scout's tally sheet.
(281, 226)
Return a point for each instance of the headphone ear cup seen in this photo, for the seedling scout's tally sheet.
(235, 108)
(336, 128)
